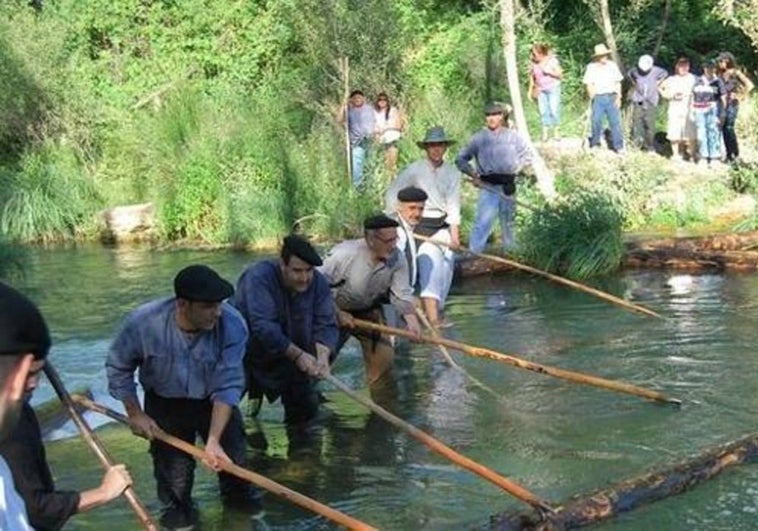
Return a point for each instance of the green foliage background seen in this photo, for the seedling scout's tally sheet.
(222, 112)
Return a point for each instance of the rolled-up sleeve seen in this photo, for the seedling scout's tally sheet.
(325, 329)
(228, 380)
(401, 292)
(124, 356)
(468, 152)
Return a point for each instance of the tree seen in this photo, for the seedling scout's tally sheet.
(507, 22)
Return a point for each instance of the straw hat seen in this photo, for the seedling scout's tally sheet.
(600, 51)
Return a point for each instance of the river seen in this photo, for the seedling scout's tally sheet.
(554, 437)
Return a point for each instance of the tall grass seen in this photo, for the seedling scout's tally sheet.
(579, 236)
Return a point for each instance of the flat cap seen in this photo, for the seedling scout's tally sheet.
(411, 194)
(379, 221)
(201, 283)
(294, 245)
(22, 328)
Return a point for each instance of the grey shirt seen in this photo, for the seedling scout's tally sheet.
(360, 284)
(360, 123)
(502, 151)
(645, 85)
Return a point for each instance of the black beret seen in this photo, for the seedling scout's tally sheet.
(201, 283)
(22, 328)
(411, 194)
(295, 245)
(379, 221)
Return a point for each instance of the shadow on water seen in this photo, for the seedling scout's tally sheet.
(554, 437)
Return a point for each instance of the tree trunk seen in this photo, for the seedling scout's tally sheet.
(662, 28)
(610, 38)
(507, 22)
(627, 495)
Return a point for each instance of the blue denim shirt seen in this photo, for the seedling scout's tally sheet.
(172, 365)
(502, 151)
(277, 317)
(360, 123)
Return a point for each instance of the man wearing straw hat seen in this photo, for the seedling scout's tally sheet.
(441, 221)
(603, 81)
(501, 153)
(364, 274)
(23, 333)
(188, 349)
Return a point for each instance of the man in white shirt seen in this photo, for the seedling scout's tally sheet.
(603, 81)
(408, 212)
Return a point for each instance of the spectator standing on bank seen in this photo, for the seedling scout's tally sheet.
(680, 130)
(545, 87)
(388, 129)
(645, 79)
(737, 85)
(602, 78)
(360, 127)
(708, 106)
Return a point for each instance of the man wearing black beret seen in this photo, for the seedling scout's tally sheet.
(364, 274)
(408, 212)
(24, 343)
(289, 310)
(188, 349)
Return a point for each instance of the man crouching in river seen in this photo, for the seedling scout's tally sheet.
(189, 350)
(364, 274)
(290, 313)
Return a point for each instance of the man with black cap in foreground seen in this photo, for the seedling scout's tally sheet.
(289, 310)
(501, 153)
(364, 274)
(440, 180)
(189, 351)
(24, 342)
(408, 211)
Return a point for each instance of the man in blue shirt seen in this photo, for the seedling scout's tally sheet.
(500, 153)
(289, 310)
(361, 123)
(189, 351)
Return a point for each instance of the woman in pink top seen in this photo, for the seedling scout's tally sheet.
(545, 87)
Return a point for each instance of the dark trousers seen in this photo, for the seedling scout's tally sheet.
(300, 399)
(730, 135)
(643, 125)
(174, 470)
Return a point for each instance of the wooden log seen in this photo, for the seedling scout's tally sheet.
(718, 242)
(630, 494)
(693, 259)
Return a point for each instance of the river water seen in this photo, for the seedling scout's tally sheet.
(554, 437)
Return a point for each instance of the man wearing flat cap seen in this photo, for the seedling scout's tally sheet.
(188, 350)
(501, 153)
(409, 210)
(364, 274)
(289, 310)
(25, 341)
(440, 180)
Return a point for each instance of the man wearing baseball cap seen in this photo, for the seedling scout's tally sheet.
(188, 350)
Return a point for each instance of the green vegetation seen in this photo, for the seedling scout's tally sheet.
(223, 113)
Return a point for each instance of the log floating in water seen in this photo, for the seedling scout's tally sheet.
(630, 494)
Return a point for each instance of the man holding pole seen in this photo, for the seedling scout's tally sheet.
(500, 153)
(188, 349)
(289, 310)
(360, 127)
(24, 343)
(364, 274)
(441, 221)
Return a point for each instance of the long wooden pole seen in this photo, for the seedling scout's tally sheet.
(94, 443)
(243, 473)
(572, 376)
(510, 486)
(345, 102)
(555, 278)
(443, 349)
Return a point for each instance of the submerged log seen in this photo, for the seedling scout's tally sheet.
(606, 503)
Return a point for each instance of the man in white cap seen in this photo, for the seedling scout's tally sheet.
(603, 81)
(645, 78)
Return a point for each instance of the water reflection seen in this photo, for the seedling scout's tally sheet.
(554, 437)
